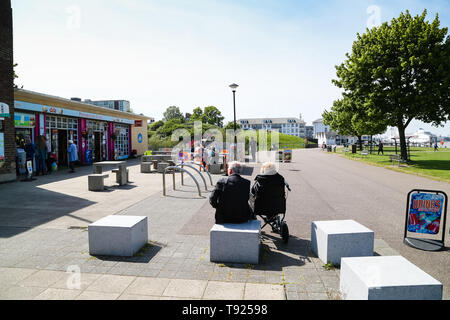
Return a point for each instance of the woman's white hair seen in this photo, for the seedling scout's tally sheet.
(268, 169)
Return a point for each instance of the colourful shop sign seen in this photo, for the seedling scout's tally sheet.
(24, 120)
(67, 112)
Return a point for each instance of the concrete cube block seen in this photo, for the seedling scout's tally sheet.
(146, 167)
(96, 182)
(236, 243)
(118, 175)
(333, 240)
(215, 168)
(162, 166)
(121, 236)
(386, 278)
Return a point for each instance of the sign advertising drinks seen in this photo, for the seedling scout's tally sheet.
(287, 155)
(425, 214)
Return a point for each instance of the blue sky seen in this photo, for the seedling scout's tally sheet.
(160, 53)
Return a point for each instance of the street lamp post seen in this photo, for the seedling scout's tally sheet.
(233, 88)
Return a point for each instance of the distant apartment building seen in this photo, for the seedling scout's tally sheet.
(290, 126)
(319, 127)
(309, 132)
(119, 105)
(326, 136)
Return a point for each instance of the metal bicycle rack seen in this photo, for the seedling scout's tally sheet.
(174, 170)
(201, 166)
(182, 165)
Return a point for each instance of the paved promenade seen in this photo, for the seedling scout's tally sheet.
(43, 234)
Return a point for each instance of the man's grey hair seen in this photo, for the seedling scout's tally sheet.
(235, 167)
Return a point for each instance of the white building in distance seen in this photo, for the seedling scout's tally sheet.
(324, 135)
(290, 126)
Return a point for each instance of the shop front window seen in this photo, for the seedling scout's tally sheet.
(96, 139)
(24, 124)
(59, 131)
(122, 142)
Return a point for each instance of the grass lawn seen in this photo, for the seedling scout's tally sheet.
(286, 141)
(424, 161)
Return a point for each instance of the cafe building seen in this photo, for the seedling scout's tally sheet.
(99, 133)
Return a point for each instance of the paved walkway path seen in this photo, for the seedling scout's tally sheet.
(43, 235)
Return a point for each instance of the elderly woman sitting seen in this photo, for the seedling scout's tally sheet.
(268, 192)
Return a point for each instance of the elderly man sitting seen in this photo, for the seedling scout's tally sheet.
(230, 197)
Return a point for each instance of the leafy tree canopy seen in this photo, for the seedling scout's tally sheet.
(400, 70)
(173, 112)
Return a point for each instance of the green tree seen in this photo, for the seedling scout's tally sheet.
(155, 125)
(213, 116)
(230, 125)
(400, 70)
(197, 114)
(339, 119)
(349, 118)
(173, 112)
(170, 126)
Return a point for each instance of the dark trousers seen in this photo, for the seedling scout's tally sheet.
(72, 166)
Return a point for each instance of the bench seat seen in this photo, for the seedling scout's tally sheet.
(235, 243)
(386, 278)
(335, 239)
(96, 182)
(118, 235)
(117, 172)
(396, 157)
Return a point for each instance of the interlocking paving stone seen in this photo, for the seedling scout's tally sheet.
(42, 278)
(304, 275)
(21, 293)
(224, 291)
(135, 297)
(111, 283)
(70, 281)
(148, 286)
(58, 294)
(95, 295)
(167, 273)
(11, 276)
(264, 292)
(185, 288)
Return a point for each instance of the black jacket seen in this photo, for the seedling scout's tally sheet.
(230, 199)
(269, 195)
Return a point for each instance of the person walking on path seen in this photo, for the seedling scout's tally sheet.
(73, 155)
(30, 151)
(253, 147)
(230, 197)
(380, 148)
(436, 148)
(42, 155)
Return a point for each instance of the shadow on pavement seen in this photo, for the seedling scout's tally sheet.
(294, 253)
(35, 207)
(147, 253)
(27, 205)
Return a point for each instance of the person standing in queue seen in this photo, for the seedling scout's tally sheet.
(73, 156)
